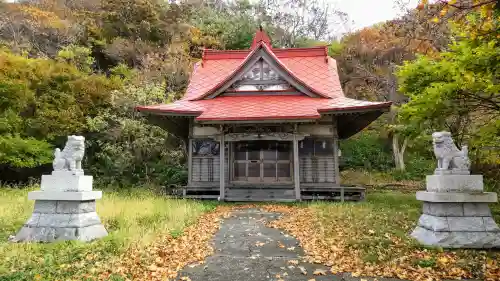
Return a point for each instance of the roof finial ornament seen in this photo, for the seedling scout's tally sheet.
(260, 36)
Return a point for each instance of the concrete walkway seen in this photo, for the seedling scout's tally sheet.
(247, 250)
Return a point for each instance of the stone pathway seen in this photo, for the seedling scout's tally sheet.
(247, 250)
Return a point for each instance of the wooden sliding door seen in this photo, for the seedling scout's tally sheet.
(262, 162)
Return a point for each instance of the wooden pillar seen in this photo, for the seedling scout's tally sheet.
(190, 160)
(190, 157)
(190, 165)
(222, 166)
(336, 152)
(296, 175)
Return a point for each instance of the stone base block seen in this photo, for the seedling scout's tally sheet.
(54, 220)
(64, 207)
(65, 196)
(457, 239)
(51, 234)
(450, 223)
(454, 183)
(92, 232)
(457, 209)
(65, 181)
(63, 220)
(457, 197)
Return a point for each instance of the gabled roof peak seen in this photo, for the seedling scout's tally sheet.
(260, 36)
(262, 51)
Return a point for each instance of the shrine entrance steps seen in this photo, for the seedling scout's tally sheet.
(276, 193)
(260, 194)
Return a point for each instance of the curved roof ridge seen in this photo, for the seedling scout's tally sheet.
(214, 54)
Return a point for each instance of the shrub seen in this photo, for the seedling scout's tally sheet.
(20, 152)
(125, 149)
(417, 167)
(41, 101)
(366, 150)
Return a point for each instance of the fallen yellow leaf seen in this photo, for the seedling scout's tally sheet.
(319, 272)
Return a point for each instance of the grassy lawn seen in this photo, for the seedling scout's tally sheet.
(372, 238)
(130, 217)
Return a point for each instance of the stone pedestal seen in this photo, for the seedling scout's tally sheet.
(456, 213)
(65, 209)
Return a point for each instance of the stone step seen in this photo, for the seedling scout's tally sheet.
(260, 195)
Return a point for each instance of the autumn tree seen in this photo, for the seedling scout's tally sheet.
(27, 28)
(42, 100)
(367, 61)
(457, 91)
(476, 18)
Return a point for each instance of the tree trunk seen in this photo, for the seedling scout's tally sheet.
(399, 152)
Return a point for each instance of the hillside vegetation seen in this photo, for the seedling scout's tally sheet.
(73, 67)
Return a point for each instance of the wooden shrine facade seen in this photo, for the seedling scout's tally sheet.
(287, 157)
(264, 124)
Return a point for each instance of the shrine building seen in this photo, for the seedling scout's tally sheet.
(264, 124)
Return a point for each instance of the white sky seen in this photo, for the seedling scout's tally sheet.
(364, 13)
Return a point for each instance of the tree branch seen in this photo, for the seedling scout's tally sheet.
(467, 8)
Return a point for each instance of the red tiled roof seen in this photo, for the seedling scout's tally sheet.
(310, 67)
(241, 108)
(307, 72)
(318, 72)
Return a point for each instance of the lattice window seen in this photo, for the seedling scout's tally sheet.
(316, 160)
(205, 147)
(206, 160)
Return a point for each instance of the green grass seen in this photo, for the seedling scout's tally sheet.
(133, 217)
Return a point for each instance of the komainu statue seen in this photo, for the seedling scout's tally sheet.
(70, 158)
(451, 160)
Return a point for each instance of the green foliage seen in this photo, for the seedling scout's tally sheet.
(42, 99)
(126, 149)
(87, 70)
(449, 85)
(132, 151)
(459, 92)
(369, 150)
(78, 56)
(416, 168)
(20, 152)
(81, 68)
(233, 27)
(140, 19)
(335, 48)
(426, 262)
(365, 150)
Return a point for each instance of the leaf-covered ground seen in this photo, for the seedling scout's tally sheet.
(372, 239)
(162, 259)
(367, 239)
(153, 238)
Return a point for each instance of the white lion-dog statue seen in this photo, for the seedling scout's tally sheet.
(451, 160)
(70, 158)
